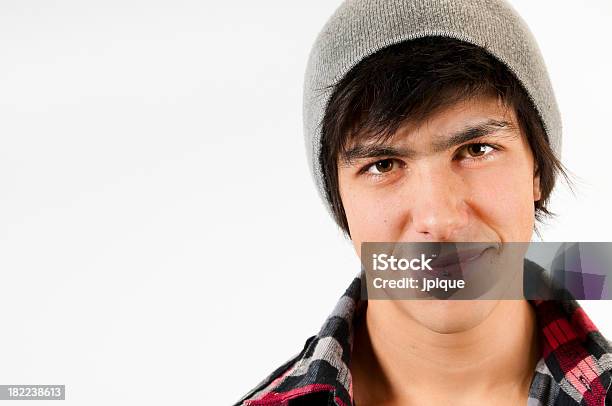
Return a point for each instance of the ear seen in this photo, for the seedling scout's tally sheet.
(537, 192)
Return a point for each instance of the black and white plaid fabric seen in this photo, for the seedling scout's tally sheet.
(574, 369)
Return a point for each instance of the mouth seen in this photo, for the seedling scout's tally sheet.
(455, 263)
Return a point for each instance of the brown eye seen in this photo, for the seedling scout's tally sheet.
(476, 150)
(382, 166)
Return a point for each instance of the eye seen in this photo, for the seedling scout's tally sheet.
(475, 150)
(380, 167)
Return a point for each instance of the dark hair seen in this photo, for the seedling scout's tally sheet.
(410, 81)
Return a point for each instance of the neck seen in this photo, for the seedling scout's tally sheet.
(401, 361)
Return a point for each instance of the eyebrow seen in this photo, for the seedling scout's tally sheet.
(473, 131)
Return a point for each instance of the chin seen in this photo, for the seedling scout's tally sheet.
(448, 316)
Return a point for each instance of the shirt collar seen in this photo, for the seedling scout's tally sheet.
(574, 368)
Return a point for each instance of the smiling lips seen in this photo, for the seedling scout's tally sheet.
(454, 263)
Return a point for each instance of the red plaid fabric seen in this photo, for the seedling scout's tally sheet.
(574, 369)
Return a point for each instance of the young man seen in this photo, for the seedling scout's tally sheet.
(434, 121)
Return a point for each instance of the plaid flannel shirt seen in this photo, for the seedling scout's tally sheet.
(574, 369)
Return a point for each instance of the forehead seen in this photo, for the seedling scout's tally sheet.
(449, 126)
(443, 121)
(448, 120)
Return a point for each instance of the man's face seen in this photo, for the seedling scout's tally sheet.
(466, 174)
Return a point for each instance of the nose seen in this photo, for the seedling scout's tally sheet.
(438, 211)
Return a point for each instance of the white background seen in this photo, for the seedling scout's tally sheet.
(151, 153)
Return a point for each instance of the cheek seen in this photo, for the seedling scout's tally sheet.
(372, 215)
(503, 199)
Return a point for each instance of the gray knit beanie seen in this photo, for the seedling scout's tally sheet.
(359, 28)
